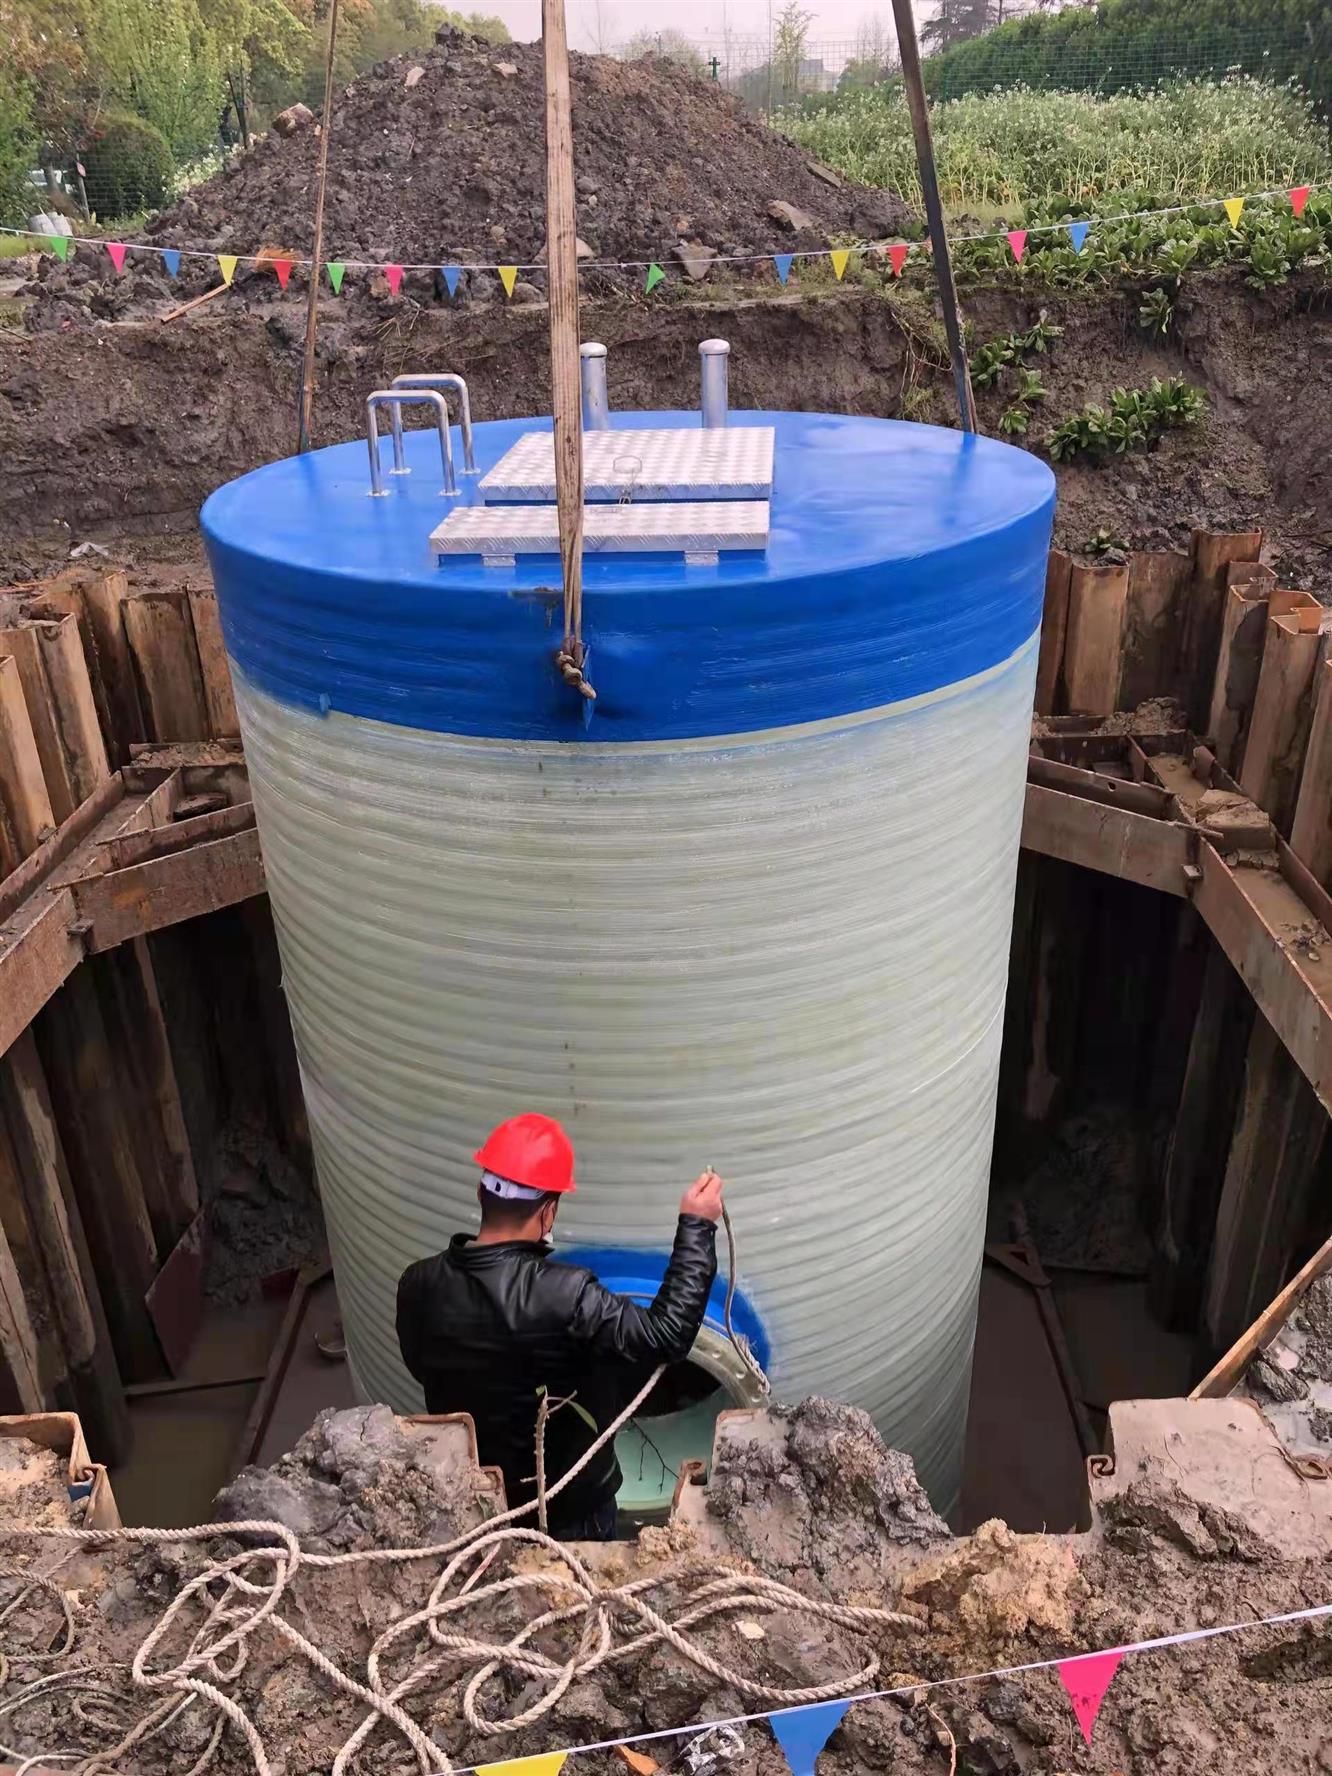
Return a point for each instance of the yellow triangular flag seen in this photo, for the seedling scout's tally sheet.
(841, 257)
(226, 263)
(1234, 207)
(508, 277)
(549, 1763)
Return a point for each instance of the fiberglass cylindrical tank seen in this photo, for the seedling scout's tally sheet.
(750, 909)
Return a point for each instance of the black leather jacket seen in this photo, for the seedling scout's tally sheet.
(483, 1328)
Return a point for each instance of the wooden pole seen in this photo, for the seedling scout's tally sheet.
(317, 242)
(562, 263)
(909, 49)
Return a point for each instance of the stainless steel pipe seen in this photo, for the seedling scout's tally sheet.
(714, 358)
(592, 373)
(443, 379)
(395, 399)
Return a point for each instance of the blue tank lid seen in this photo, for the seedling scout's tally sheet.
(901, 559)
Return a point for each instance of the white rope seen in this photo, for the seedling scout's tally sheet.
(248, 1600)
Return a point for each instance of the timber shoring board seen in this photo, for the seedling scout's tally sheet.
(95, 1393)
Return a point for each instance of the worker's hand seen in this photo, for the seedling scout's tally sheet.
(703, 1197)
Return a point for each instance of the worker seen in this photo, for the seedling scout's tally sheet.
(493, 1322)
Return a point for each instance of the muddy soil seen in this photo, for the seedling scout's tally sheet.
(1157, 1561)
(1291, 1380)
(441, 159)
(34, 1484)
(117, 434)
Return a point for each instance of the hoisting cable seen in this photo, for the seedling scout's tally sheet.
(565, 381)
(741, 1345)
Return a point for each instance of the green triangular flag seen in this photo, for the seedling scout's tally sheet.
(335, 268)
(60, 245)
(654, 276)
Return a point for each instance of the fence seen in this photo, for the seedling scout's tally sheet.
(768, 79)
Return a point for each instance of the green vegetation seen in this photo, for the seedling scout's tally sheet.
(1134, 420)
(1119, 45)
(17, 142)
(1022, 148)
(1271, 243)
(130, 161)
(989, 363)
(1106, 546)
(203, 73)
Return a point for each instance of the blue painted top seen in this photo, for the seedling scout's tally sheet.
(625, 1270)
(901, 558)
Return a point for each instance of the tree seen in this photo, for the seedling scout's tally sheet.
(47, 56)
(956, 21)
(672, 46)
(18, 147)
(875, 57)
(159, 60)
(788, 52)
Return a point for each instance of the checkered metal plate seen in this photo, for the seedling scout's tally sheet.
(691, 528)
(731, 463)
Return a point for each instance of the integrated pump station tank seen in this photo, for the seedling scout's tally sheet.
(750, 908)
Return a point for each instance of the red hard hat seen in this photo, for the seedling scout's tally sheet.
(530, 1149)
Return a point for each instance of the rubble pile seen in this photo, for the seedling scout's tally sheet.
(441, 159)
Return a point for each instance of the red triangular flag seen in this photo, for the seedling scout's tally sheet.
(283, 269)
(1017, 239)
(1086, 1681)
(117, 252)
(1299, 197)
(897, 257)
(394, 275)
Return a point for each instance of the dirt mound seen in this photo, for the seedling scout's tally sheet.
(824, 1500)
(355, 1480)
(442, 159)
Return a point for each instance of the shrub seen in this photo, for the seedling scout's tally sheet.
(1023, 148)
(128, 166)
(18, 150)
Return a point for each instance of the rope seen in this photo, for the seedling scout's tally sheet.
(241, 1592)
(741, 1345)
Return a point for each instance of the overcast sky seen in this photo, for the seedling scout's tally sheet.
(615, 20)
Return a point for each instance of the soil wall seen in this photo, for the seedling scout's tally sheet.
(123, 430)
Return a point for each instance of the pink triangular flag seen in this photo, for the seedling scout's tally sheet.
(1086, 1680)
(897, 257)
(394, 275)
(1299, 196)
(117, 252)
(282, 268)
(1017, 239)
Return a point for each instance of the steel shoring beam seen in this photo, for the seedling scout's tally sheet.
(1270, 920)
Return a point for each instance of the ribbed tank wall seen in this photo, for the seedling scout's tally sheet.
(784, 955)
(753, 913)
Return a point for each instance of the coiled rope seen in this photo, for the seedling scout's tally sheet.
(254, 1582)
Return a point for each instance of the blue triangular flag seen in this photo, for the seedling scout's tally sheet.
(1077, 233)
(452, 273)
(802, 1733)
(783, 263)
(171, 259)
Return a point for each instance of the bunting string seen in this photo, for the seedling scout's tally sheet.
(803, 1732)
(897, 253)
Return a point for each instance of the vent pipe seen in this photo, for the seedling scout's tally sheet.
(596, 402)
(713, 356)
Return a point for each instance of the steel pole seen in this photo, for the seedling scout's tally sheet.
(912, 80)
